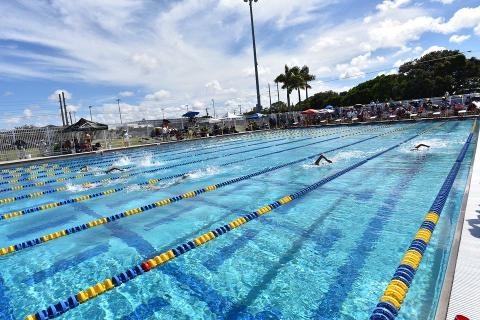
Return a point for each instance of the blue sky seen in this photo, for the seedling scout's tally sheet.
(156, 55)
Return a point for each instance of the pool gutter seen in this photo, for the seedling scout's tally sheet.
(444, 300)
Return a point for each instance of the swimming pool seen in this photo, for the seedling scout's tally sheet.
(326, 255)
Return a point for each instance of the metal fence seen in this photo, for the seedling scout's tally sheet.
(35, 142)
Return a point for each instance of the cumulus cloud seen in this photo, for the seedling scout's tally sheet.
(391, 4)
(158, 96)
(202, 49)
(432, 49)
(54, 95)
(459, 38)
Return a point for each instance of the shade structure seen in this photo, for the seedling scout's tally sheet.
(85, 125)
(230, 115)
(310, 112)
(190, 114)
(255, 116)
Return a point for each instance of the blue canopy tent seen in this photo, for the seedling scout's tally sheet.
(191, 114)
(255, 116)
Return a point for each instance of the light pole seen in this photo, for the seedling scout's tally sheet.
(259, 104)
(90, 107)
(213, 105)
(119, 111)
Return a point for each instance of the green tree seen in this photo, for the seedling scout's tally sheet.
(307, 77)
(286, 79)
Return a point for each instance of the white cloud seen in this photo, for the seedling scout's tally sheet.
(432, 49)
(182, 46)
(158, 96)
(462, 19)
(214, 85)
(127, 94)
(459, 38)
(54, 95)
(391, 4)
(28, 112)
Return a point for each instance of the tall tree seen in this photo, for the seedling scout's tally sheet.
(307, 77)
(286, 80)
(297, 81)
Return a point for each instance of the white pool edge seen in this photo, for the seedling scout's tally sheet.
(459, 293)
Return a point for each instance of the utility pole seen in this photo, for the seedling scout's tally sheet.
(70, 113)
(90, 107)
(240, 106)
(119, 111)
(213, 104)
(259, 104)
(65, 108)
(206, 110)
(270, 95)
(61, 108)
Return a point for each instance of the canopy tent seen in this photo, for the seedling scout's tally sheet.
(209, 120)
(230, 115)
(190, 114)
(85, 125)
(255, 116)
(327, 111)
(310, 112)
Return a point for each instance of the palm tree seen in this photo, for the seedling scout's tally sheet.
(286, 80)
(307, 77)
(297, 81)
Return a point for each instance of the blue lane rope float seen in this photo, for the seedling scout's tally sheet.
(94, 223)
(397, 289)
(80, 176)
(152, 181)
(98, 289)
(73, 163)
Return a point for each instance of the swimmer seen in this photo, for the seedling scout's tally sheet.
(417, 147)
(177, 181)
(317, 163)
(114, 169)
(90, 185)
(84, 169)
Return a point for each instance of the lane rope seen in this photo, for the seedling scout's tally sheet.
(104, 220)
(397, 289)
(98, 289)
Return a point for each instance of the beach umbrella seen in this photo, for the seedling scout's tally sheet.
(190, 114)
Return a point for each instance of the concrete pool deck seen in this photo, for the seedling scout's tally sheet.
(461, 288)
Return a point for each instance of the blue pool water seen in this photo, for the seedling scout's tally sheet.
(328, 255)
